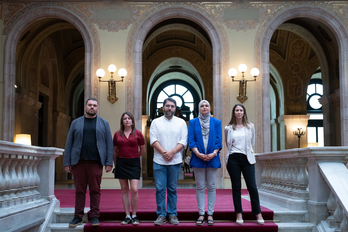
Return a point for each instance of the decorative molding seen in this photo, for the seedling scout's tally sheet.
(113, 25)
(241, 25)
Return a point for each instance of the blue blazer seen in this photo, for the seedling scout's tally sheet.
(196, 140)
(74, 142)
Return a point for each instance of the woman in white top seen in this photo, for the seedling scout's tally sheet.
(240, 139)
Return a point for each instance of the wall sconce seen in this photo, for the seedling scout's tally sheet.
(242, 97)
(299, 133)
(23, 139)
(112, 82)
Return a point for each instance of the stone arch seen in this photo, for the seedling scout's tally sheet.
(12, 38)
(134, 84)
(262, 48)
(137, 45)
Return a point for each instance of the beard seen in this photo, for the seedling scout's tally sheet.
(91, 113)
(168, 113)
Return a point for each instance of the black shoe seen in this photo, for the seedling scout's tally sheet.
(95, 221)
(75, 222)
(126, 221)
(135, 221)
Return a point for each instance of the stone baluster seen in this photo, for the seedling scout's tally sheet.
(2, 181)
(26, 179)
(338, 215)
(273, 176)
(14, 180)
(281, 176)
(267, 179)
(36, 178)
(302, 178)
(292, 176)
(270, 176)
(20, 178)
(288, 177)
(7, 177)
(31, 179)
(277, 177)
(263, 174)
(331, 207)
(344, 224)
(283, 173)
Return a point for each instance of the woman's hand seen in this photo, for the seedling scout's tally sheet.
(209, 157)
(200, 155)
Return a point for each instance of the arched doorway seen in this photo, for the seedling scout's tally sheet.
(177, 62)
(329, 36)
(134, 96)
(45, 58)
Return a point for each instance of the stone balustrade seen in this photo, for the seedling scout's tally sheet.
(336, 176)
(313, 179)
(26, 181)
(287, 177)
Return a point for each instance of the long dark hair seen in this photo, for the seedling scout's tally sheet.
(233, 121)
(121, 131)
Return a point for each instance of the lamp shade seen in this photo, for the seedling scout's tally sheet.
(23, 139)
(100, 72)
(242, 68)
(254, 72)
(122, 72)
(232, 72)
(112, 68)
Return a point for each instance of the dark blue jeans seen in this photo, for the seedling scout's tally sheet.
(166, 178)
(237, 164)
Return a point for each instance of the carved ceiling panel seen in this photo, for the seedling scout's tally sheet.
(295, 69)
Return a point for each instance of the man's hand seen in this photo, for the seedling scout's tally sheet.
(67, 169)
(169, 155)
(108, 168)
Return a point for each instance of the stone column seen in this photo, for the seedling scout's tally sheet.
(331, 109)
(290, 123)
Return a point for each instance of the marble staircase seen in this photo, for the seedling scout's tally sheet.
(286, 219)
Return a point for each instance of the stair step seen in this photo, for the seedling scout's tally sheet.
(185, 226)
(295, 227)
(55, 227)
(291, 216)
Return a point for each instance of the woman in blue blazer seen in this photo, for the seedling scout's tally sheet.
(205, 143)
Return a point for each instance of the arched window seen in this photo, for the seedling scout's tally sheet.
(184, 95)
(315, 129)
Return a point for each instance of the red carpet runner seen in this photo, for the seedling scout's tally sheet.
(112, 212)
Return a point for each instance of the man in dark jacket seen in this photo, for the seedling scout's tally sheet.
(88, 148)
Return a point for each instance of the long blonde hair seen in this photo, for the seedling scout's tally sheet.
(233, 121)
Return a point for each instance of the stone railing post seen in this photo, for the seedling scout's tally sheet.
(46, 170)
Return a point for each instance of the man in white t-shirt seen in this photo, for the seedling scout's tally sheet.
(168, 137)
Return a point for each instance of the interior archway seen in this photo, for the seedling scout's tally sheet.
(323, 18)
(212, 33)
(17, 31)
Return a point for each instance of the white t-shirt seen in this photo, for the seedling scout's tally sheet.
(238, 142)
(168, 133)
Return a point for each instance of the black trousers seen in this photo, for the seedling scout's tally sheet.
(237, 164)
